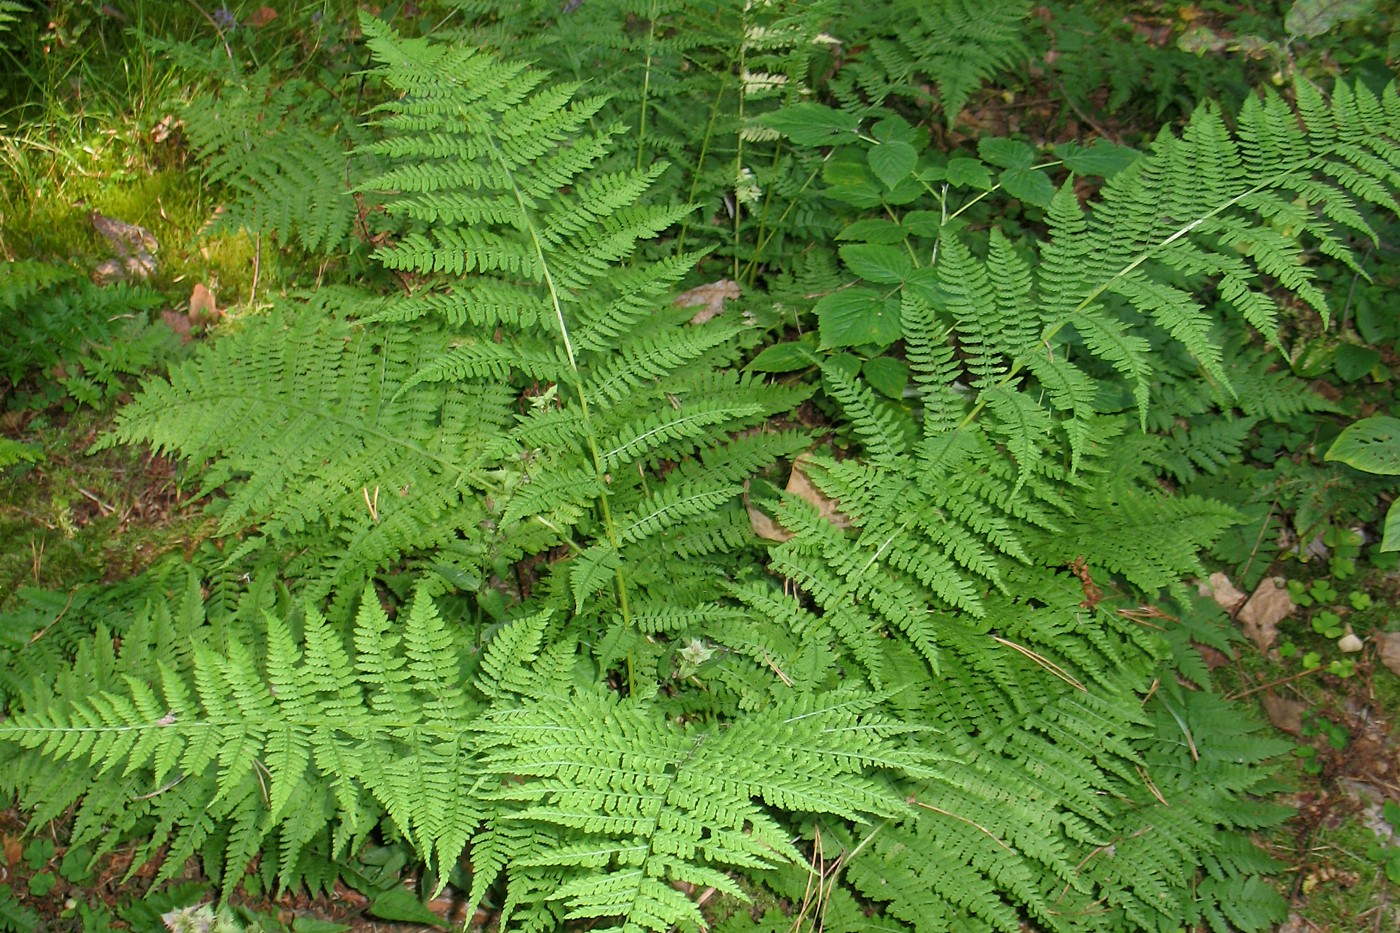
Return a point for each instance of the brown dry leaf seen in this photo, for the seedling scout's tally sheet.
(1388, 647)
(140, 266)
(767, 527)
(1285, 714)
(800, 485)
(178, 322)
(14, 851)
(1266, 608)
(163, 130)
(1220, 589)
(1213, 657)
(261, 16)
(203, 310)
(709, 298)
(108, 272)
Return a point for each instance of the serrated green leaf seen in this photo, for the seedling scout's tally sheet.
(886, 375)
(1352, 362)
(857, 317)
(785, 358)
(810, 124)
(894, 129)
(1311, 18)
(1103, 159)
(887, 265)
(1032, 187)
(922, 223)
(1390, 539)
(874, 230)
(401, 904)
(1005, 153)
(1371, 444)
(892, 162)
(969, 173)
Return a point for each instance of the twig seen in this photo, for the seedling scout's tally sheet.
(61, 613)
(1274, 683)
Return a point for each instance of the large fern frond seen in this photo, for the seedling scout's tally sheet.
(315, 426)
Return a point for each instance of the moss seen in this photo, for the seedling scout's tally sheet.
(75, 518)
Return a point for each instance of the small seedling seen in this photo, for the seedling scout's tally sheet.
(1346, 547)
(1308, 756)
(1327, 624)
(75, 867)
(1342, 667)
(1388, 857)
(38, 853)
(42, 883)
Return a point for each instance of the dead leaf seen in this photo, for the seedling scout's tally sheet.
(163, 130)
(766, 527)
(14, 851)
(801, 486)
(1388, 645)
(108, 272)
(1260, 617)
(261, 16)
(709, 298)
(178, 322)
(1220, 589)
(140, 266)
(1285, 714)
(1213, 657)
(204, 312)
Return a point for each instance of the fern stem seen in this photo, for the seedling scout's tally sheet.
(646, 82)
(699, 166)
(738, 158)
(585, 415)
(751, 270)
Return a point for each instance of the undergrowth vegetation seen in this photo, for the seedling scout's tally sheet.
(683, 465)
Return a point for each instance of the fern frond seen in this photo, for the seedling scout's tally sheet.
(246, 738)
(289, 167)
(626, 802)
(322, 434)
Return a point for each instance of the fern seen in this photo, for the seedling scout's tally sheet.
(303, 418)
(953, 43)
(286, 164)
(616, 802)
(940, 693)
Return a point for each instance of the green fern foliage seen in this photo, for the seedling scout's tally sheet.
(302, 418)
(583, 801)
(478, 150)
(487, 579)
(953, 44)
(287, 165)
(1235, 207)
